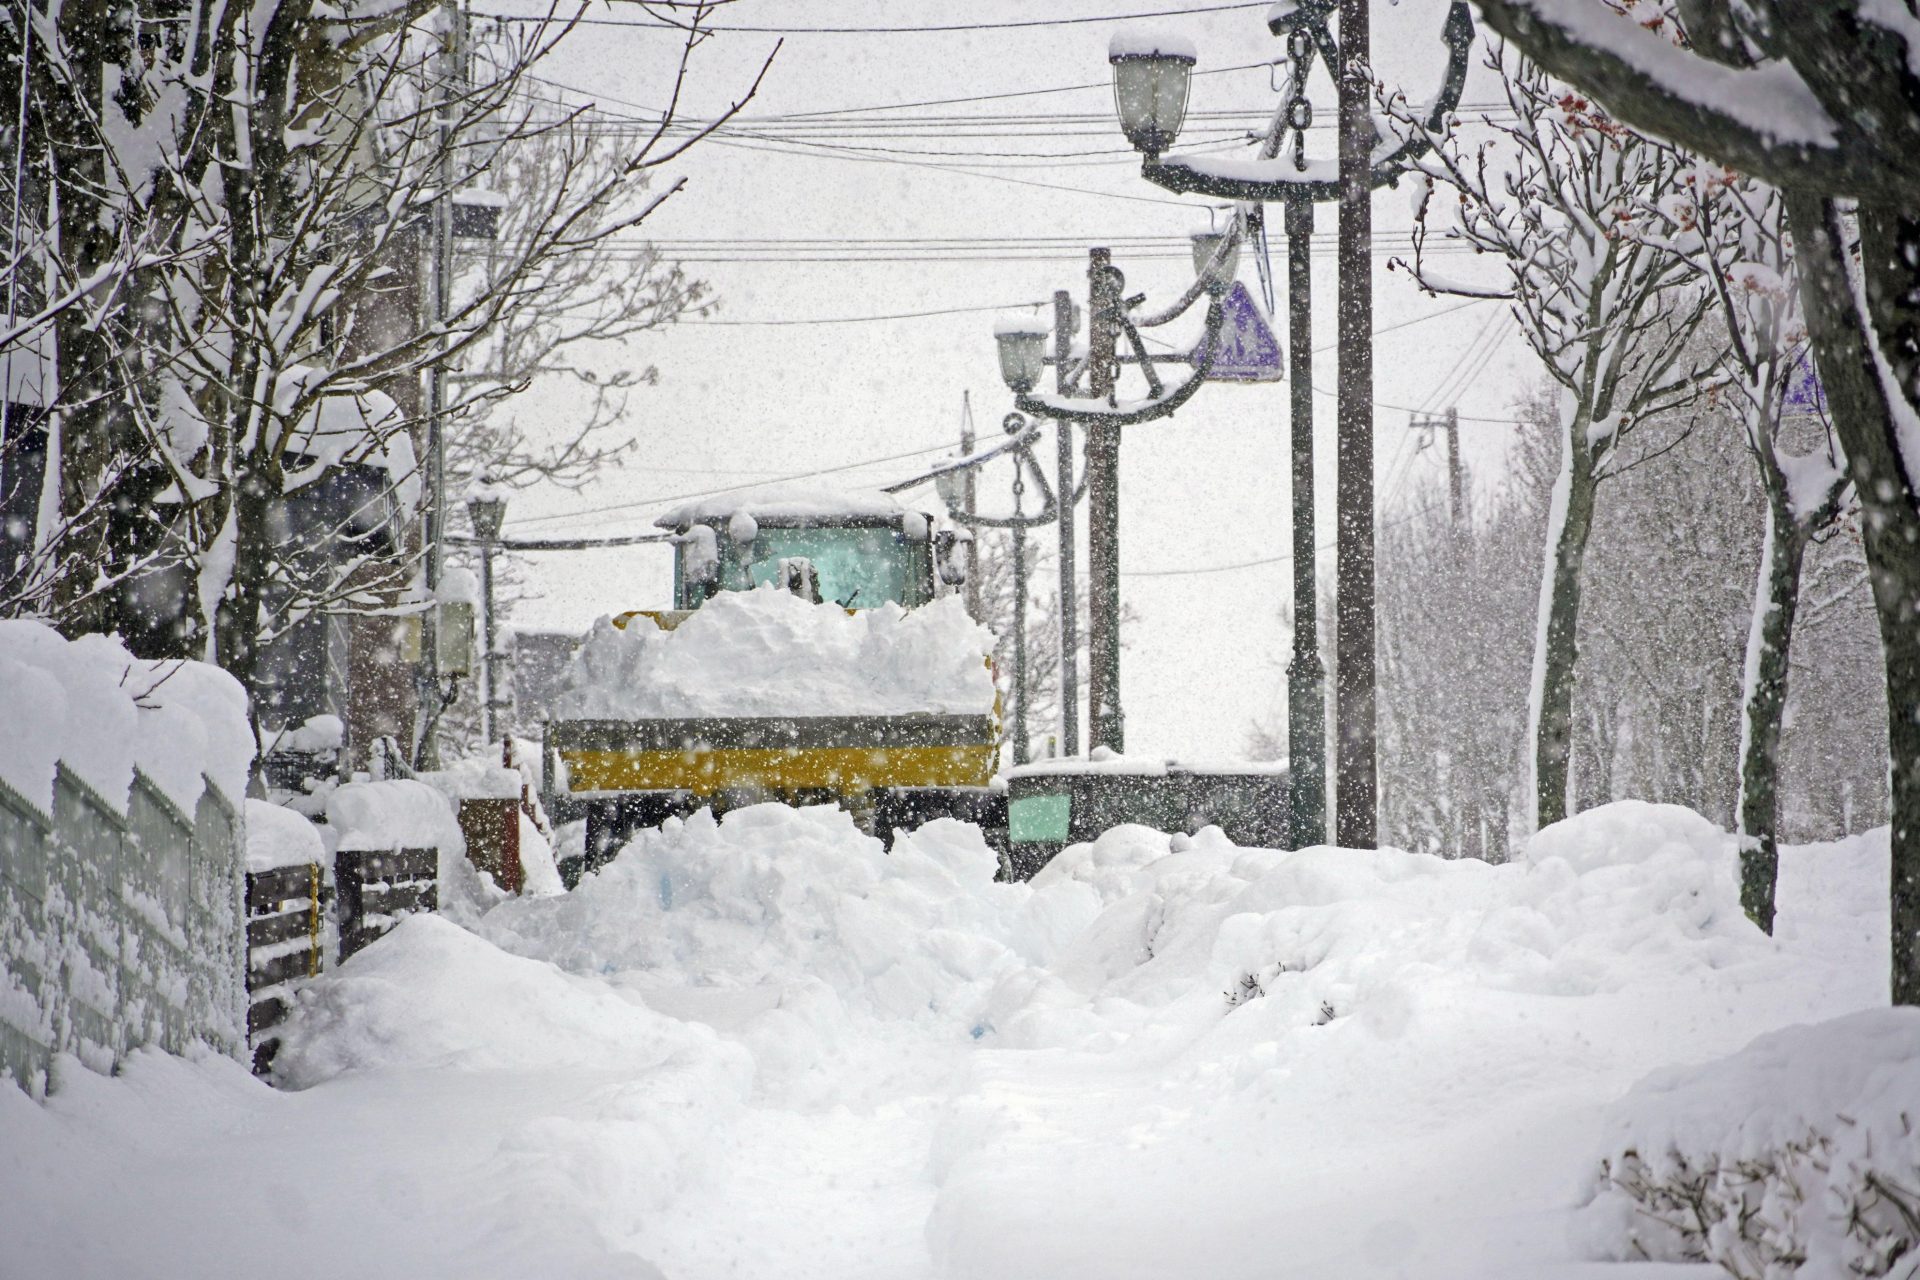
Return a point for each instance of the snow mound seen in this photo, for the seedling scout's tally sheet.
(785, 900)
(103, 712)
(278, 837)
(429, 995)
(1804, 1145)
(406, 813)
(1610, 898)
(768, 652)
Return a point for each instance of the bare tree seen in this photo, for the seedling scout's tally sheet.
(1731, 232)
(1547, 194)
(285, 335)
(1817, 99)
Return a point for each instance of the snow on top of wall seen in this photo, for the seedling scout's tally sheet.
(103, 712)
(768, 652)
(278, 837)
(477, 778)
(1106, 761)
(786, 504)
(400, 814)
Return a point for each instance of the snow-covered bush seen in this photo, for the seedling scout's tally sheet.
(1799, 1156)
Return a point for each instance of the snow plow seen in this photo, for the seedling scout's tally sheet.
(815, 653)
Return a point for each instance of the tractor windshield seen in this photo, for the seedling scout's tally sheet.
(858, 568)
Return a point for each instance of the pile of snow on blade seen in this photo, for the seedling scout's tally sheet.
(787, 901)
(1797, 1156)
(767, 652)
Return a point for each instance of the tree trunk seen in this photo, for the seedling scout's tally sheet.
(1776, 600)
(1868, 412)
(1556, 644)
(83, 339)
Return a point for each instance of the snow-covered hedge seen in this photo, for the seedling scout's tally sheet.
(1799, 1156)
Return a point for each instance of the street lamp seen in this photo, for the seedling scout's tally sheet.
(1023, 351)
(487, 511)
(1110, 317)
(1365, 162)
(1151, 72)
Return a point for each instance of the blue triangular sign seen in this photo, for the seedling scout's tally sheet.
(1248, 350)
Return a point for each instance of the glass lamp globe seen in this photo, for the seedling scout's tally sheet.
(1205, 245)
(1023, 354)
(1150, 78)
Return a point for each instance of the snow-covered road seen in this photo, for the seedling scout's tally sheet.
(765, 1049)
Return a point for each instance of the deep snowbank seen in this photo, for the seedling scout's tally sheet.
(768, 652)
(786, 900)
(432, 996)
(762, 1047)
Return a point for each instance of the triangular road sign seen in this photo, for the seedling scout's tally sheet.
(1248, 350)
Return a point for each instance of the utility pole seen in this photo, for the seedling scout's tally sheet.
(1063, 328)
(1449, 422)
(1021, 751)
(968, 492)
(1356, 813)
(1105, 721)
(1306, 674)
(427, 753)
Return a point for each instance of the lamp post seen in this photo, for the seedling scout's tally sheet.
(1365, 164)
(487, 510)
(1022, 344)
(1021, 435)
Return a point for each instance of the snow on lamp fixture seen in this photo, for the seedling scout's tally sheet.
(1023, 352)
(487, 509)
(1151, 72)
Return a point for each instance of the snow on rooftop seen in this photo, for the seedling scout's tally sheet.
(93, 706)
(767, 652)
(1146, 42)
(787, 503)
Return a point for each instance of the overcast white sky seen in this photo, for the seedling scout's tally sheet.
(738, 402)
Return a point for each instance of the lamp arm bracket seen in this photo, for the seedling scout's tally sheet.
(1067, 411)
(1049, 503)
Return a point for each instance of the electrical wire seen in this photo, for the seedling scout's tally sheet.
(1264, 560)
(732, 488)
(1016, 24)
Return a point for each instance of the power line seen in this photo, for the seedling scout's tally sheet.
(733, 488)
(663, 23)
(899, 315)
(1264, 560)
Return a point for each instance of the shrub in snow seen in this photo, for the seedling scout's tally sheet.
(1799, 1156)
